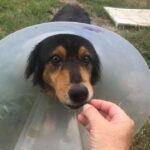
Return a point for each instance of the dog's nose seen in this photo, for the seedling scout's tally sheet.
(78, 93)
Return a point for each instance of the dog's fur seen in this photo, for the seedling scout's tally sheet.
(65, 65)
(72, 13)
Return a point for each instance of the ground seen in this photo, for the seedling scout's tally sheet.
(17, 14)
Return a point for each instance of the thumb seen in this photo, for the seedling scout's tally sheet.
(92, 114)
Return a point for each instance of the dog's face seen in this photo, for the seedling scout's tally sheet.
(67, 66)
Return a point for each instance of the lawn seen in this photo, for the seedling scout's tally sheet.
(17, 14)
(139, 37)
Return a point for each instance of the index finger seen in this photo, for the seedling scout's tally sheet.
(109, 108)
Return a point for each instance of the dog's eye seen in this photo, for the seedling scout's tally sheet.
(56, 60)
(86, 59)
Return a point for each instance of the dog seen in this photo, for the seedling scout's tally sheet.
(66, 65)
(73, 13)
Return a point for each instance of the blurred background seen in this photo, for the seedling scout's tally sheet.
(17, 14)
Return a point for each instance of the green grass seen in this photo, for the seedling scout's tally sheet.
(140, 38)
(17, 14)
(142, 139)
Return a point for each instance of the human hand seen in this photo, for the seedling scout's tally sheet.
(110, 128)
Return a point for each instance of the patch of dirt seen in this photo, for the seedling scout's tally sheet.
(101, 22)
(70, 1)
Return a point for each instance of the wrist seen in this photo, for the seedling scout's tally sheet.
(116, 148)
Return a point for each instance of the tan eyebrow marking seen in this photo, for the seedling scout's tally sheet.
(60, 50)
(83, 51)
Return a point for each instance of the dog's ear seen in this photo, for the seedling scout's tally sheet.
(34, 65)
(32, 62)
(96, 70)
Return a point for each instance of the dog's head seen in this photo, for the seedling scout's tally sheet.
(67, 66)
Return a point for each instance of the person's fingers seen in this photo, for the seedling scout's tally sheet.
(81, 118)
(113, 111)
(92, 114)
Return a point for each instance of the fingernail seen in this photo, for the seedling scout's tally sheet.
(79, 117)
(86, 106)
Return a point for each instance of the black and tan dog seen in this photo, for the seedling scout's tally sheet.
(66, 65)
